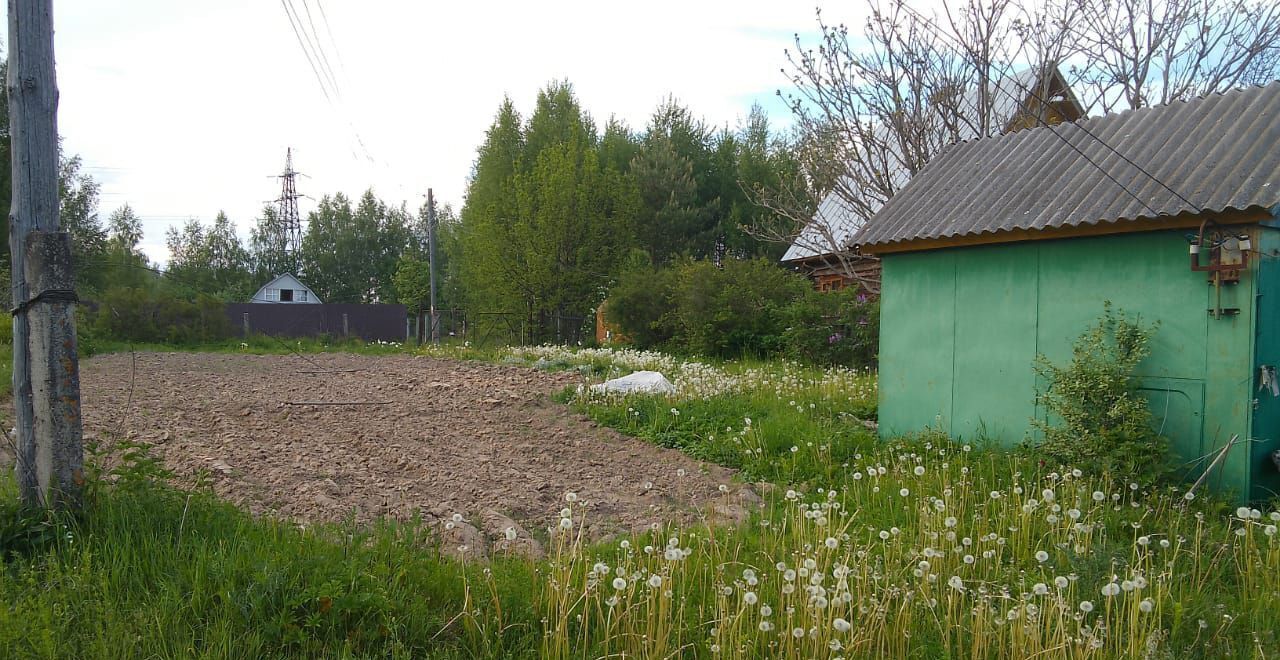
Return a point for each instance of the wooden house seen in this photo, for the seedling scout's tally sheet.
(286, 289)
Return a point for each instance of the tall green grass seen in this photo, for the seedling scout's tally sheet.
(917, 548)
(153, 572)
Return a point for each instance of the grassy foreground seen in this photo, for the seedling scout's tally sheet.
(921, 548)
(152, 572)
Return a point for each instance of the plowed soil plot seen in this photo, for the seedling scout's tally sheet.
(434, 436)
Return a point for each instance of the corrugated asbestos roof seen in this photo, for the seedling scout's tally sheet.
(1220, 152)
(836, 222)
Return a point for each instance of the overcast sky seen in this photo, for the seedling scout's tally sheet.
(182, 108)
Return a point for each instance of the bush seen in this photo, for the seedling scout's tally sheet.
(640, 305)
(743, 308)
(1102, 422)
(736, 309)
(833, 328)
(142, 315)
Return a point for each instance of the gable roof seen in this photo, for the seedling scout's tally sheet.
(836, 221)
(291, 281)
(1218, 151)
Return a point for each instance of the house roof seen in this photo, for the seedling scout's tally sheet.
(1218, 151)
(288, 278)
(836, 221)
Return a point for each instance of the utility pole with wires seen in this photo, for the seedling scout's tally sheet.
(431, 257)
(46, 372)
(290, 225)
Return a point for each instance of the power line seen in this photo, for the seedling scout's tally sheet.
(319, 79)
(313, 49)
(319, 47)
(313, 45)
(337, 52)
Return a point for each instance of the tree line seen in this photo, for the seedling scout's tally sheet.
(557, 207)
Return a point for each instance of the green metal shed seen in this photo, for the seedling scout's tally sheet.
(1007, 247)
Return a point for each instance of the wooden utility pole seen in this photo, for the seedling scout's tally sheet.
(46, 373)
(431, 255)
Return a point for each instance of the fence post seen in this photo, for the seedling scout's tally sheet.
(55, 373)
(46, 381)
(346, 328)
(244, 321)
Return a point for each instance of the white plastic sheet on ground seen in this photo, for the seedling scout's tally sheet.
(645, 382)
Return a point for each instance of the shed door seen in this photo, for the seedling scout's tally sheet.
(1177, 413)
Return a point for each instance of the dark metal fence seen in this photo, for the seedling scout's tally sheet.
(368, 322)
(501, 328)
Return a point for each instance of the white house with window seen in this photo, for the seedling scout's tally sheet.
(285, 289)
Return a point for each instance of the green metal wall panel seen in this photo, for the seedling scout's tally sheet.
(922, 343)
(1263, 475)
(995, 340)
(1005, 303)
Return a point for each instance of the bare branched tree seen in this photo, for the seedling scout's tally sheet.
(1137, 53)
(872, 108)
